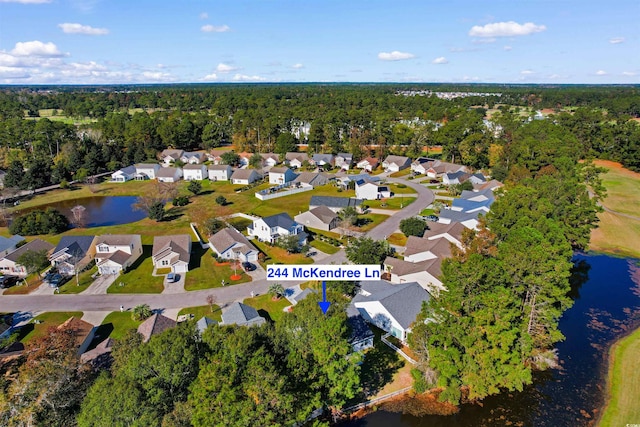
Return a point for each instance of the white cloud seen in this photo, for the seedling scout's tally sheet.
(215, 29)
(601, 73)
(485, 40)
(13, 73)
(297, 66)
(210, 77)
(204, 15)
(158, 76)
(507, 48)
(36, 48)
(527, 72)
(440, 60)
(395, 56)
(629, 73)
(224, 68)
(245, 78)
(505, 29)
(68, 28)
(26, 1)
(616, 40)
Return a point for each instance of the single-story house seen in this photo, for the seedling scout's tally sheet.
(117, 252)
(439, 168)
(270, 159)
(8, 245)
(451, 232)
(281, 175)
(154, 325)
(244, 158)
(270, 228)
(468, 219)
(421, 165)
(82, 331)
(73, 253)
(169, 174)
(336, 204)
(229, 243)
(100, 355)
(170, 155)
(489, 185)
(321, 218)
(426, 273)
(322, 159)
(368, 164)
(470, 206)
(477, 178)
(194, 172)
(295, 160)
(219, 172)
(451, 178)
(124, 174)
(192, 158)
(345, 180)
(172, 252)
(9, 263)
(312, 179)
(368, 190)
(477, 195)
(422, 249)
(146, 171)
(244, 176)
(396, 163)
(392, 308)
(344, 160)
(241, 314)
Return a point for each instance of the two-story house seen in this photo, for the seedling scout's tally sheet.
(344, 160)
(368, 164)
(194, 172)
(368, 190)
(146, 171)
(269, 160)
(117, 252)
(281, 175)
(169, 174)
(170, 155)
(270, 228)
(73, 253)
(192, 158)
(10, 264)
(219, 172)
(295, 160)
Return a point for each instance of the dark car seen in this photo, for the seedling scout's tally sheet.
(55, 280)
(434, 181)
(247, 266)
(172, 277)
(6, 281)
(431, 218)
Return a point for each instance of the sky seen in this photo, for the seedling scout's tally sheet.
(175, 41)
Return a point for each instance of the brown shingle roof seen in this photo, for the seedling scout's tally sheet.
(440, 248)
(227, 237)
(80, 328)
(179, 244)
(154, 325)
(324, 214)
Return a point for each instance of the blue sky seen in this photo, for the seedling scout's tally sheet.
(143, 41)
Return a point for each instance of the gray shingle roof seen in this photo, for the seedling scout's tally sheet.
(457, 216)
(218, 167)
(402, 268)
(6, 243)
(334, 202)
(34, 245)
(204, 323)
(279, 220)
(440, 248)
(243, 173)
(75, 245)
(192, 167)
(167, 172)
(398, 160)
(129, 170)
(328, 158)
(227, 237)
(241, 314)
(116, 239)
(324, 214)
(297, 156)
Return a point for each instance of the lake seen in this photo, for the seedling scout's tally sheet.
(100, 211)
(606, 293)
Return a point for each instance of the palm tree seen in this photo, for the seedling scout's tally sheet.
(276, 290)
(141, 312)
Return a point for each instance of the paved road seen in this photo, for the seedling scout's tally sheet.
(170, 302)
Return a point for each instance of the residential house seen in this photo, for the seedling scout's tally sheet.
(426, 273)
(295, 295)
(192, 158)
(83, 332)
(73, 254)
(229, 243)
(345, 180)
(368, 164)
(9, 244)
(396, 163)
(452, 178)
(421, 165)
(219, 172)
(170, 155)
(124, 174)
(439, 168)
(281, 175)
(421, 249)
(154, 325)
(368, 190)
(100, 356)
(146, 171)
(360, 334)
(245, 176)
(169, 174)
(214, 156)
(172, 252)
(311, 179)
(269, 160)
(470, 206)
(477, 178)
(451, 232)
(9, 263)
(269, 229)
(245, 158)
(392, 308)
(295, 160)
(321, 218)
(203, 323)
(489, 185)
(241, 314)
(468, 219)
(117, 252)
(322, 160)
(336, 204)
(195, 172)
(344, 160)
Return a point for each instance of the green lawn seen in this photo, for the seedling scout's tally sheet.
(138, 279)
(397, 239)
(394, 203)
(51, 319)
(205, 274)
(403, 172)
(324, 247)
(427, 212)
(267, 307)
(21, 289)
(401, 189)
(279, 255)
(116, 324)
(370, 221)
(201, 311)
(84, 280)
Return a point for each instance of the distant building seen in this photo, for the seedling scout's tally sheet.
(169, 174)
(321, 218)
(396, 163)
(245, 176)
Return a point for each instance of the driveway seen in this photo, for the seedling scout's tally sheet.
(100, 285)
(175, 287)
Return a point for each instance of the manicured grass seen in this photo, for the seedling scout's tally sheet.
(265, 305)
(138, 279)
(397, 239)
(51, 319)
(205, 274)
(324, 247)
(117, 324)
(201, 311)
(624, 383)
(84, 280)
(403, 172)
(427, 212)
(394, 203)
(371, 220)
(398, 189)
(33, 282)
(623, 188)
(279, 255)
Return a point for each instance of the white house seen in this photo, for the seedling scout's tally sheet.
(219, 172)
(477, 178)
(169, 174)
(170, 155)
(396, 163)
(344, 160)
(124, 174)
(172, 252)
(392, 308)
(192, 158)
(244, 176)
(281, 175)
(146, 171)
(439, 168)
(270, 228)
(73, 253)
(244, 159)
(367, 190)
(194, 172)
(9, 264)
(426, 273)
(452, 178)
(421, 165)
(269, 160)
(322, 159)
(116, 252)
(368, 164)
(321, 218)
(229, 243)
(295, 160)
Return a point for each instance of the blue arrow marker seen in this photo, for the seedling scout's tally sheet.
(324, 304)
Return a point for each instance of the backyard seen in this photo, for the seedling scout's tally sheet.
(267, 307)
(205, 273)
(40, 324)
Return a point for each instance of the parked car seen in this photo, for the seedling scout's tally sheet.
(247, 266)
(434, 181)
(55, 280)
(431, 218)
(172, 277)
(6, 281)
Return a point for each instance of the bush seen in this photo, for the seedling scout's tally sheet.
(181, 200)
(413, 227)
(401, 185)
(221, 200)
(50, 221)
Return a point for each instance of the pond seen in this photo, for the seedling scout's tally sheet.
(100, 211)
(606, 293)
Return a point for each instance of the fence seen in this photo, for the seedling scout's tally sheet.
(397, 350)
(268, 196)
(376, 400)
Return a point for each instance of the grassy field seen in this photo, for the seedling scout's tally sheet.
(205, 274)
(393, 203)
(275, 254)
(324, 247)
(370, 220)
(267, 307)
(203, 310)
(397, 239)
(618, 234)
(35, 330)
(84, 280)
(139, 279)
(117, 324)
(403, 172)
(399, 189)
(624, 383)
